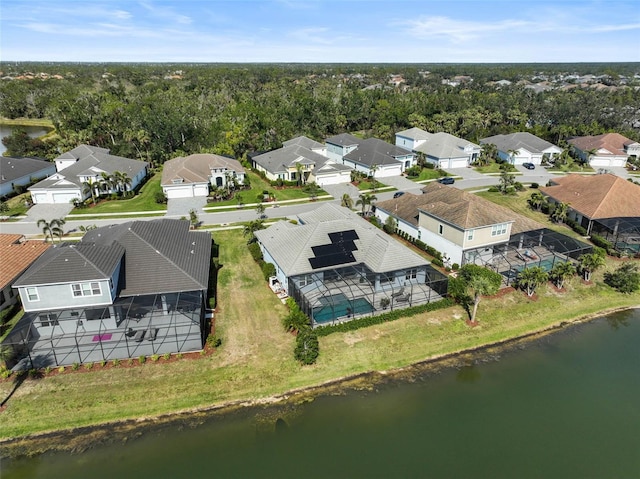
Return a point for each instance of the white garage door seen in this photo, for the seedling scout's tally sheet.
(181, 192)
(63, 198)
(392, 170)
(597, 162)
(39, 197)
(458, 163)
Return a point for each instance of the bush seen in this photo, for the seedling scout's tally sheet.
(600, 242)
(493, 189)
(160, 198)
(366, 321)
(575, 226)
(534, 186)
(296, 320)
(8, 313)
(214, 341)
(268, 269)
(625, 279)
(455, 266)
(142, 359)
(518, 186)
(254, 249)
(438, 262)
(307, 347)
(155, 357)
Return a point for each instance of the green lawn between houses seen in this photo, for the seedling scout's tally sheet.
(256, 361)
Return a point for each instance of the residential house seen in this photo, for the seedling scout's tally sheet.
(193, 175)
(441, 149)
(303, 157)
(466, 228)
(606, 205)
(523, 147)
(338, 266)
(16, 172)
(16, 255)
(607, 150)
(86, 164)
(126, 290)
(370, 156)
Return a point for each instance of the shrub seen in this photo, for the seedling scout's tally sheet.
(455, 266)
(5, 373)
(9, 313)
(88, 365)
(179, 355)
(366, 321)
(142, 359)
(160, 198)
(420, 244)
(155, 357)
(296, 319)
(214, 341)
(437, 262)
(575, 226)
(493, 189)
(166, 356)
(254, 249)
(625, 279)
(601, 242)
(115, 362)
(103, 363)
(61, 369)
(268, 269)
(212, 303)
(534, 186)
(47, 370)
(307, 347)
(518, 186)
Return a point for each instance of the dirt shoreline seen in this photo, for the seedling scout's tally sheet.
(79, 439)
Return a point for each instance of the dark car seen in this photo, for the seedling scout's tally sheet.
(398, 194)
(529, 166)
(446, 180)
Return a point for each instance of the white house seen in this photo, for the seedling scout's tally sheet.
(191, 176)
(441, 149)
(609, 149)
(523, 147)
(22, 172)
(85, 164)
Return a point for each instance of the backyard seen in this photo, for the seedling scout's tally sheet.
(255, 359)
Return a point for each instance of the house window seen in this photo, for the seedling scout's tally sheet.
(86, 289)
(498, 230)
(440, 229)
(411, 273)
(305, 280)
(32, 294)
(469, 235)
(48, 319)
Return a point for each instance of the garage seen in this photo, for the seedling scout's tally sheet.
(64, 198)
(186, 191)
(455, 163)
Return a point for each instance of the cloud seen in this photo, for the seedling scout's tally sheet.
(311, 35)
(458, 31)
(166, 13)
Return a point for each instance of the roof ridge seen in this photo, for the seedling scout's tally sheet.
(606, 195)
(75, 248)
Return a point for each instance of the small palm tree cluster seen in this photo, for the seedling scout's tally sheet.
(118, 182)
(52, 228)
(366, 200)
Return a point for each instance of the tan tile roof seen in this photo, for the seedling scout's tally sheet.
(462, 209)
(16, 256)
(196, 168)
(612, 142)
(598, 196)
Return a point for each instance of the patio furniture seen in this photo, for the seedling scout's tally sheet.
(403, 299)
(399, 293)
(130, 333)
(153, 332)
(140, 335)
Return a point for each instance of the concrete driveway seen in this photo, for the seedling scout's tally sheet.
(401, 183)
(179, 207)
(47, 212)
(338, 190)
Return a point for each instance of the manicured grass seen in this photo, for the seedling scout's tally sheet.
(145, 200)
(27, 122)
(368, 185)
(429, 174)
(256, 357)
(572, 168)
(495, 168)
(17, 205)
(519, 204)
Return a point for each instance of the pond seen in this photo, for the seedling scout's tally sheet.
(566, 405)
(33, 131)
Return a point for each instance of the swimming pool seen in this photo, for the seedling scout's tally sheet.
(338, 305)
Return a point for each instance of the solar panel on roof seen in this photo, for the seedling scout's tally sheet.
(339, 251)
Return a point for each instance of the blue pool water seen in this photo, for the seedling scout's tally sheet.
(336, 306)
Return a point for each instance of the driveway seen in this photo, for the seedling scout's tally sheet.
(47, 212)
(180, 207)
(338, 190)
(465, 173)
(402, 184)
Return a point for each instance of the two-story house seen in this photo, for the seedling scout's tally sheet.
(442, 149)
(125, 290)
(194, 175)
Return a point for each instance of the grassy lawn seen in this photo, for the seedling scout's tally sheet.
(256, 361)
(145, 200)
(258, 185)
(572, 168)
(429, 174)
(16, 205)
(368, 185)
(495, 168)
(519, 204)
(27, 122)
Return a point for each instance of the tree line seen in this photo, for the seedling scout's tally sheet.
(138, 112)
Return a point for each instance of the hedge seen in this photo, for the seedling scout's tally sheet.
(383, 318)
(601, 242)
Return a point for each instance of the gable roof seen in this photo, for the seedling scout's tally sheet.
(291, 246)
(374, 151)
(17, 255)
(344, 139)
(614, 143)
(597, 196)
(13, 168)
(414, 133)
(305, 142)
(69, 262)
(162, 256)
(91, 161)
(517, 141)
(444, 145)
(280, 160)
(197, 168)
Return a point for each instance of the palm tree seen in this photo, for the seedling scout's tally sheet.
(537, 200)
(107, 182)
(250, 228)
(299, 168)
(561, 272)
(51, 228)
(365, 200)
(122, 181)
(560, 212)
(260, 210)
(506, 181)
(530, 278)
(512, 155)
(589, 263)
(346, 201)
(91, 186)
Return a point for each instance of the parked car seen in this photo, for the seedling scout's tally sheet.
(398, 194)
(529, 166)
(446, 180)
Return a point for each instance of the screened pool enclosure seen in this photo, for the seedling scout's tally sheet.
(131, 327)
(622, 233)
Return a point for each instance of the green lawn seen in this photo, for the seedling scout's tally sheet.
(368, 185)
(429, 174)
(255, 360)
(495, 168)
(144, 201)
(17, 205)
(575, 167)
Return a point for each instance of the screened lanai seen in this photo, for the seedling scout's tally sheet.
(131, 327)
(623, 233)
(542, 247)
(344, 293)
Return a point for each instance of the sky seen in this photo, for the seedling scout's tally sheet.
(310, 31)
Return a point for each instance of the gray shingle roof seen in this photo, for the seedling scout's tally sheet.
(414, 133)
(13, 168)
(279, 161)
(344, 139)
(517, 141)
(291, 245)
(303, 141)
(68, 262)
(374, 151)
(444, 145)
